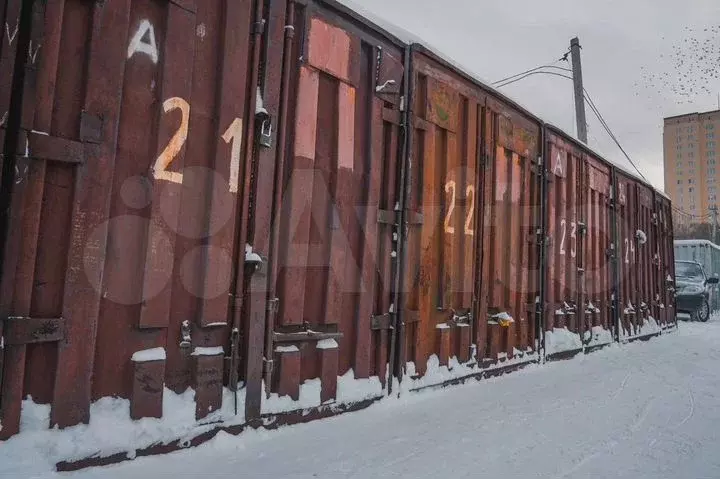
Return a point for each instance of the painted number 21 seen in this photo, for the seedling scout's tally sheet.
(451, 187)
(233, 136)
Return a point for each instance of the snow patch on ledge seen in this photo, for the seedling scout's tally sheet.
(286, 349)
(146, 355)
(36, 449)
(504, 316)
(327, 344)
(560, 340)
(213, 351)
(250, 256)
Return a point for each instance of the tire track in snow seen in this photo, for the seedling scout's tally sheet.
(692, 410)
(622, 386)
(612, 443)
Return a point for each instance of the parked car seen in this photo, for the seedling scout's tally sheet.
(693, 290)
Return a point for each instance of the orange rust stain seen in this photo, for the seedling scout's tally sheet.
(307, 110)
(329, 49)
(346, 126)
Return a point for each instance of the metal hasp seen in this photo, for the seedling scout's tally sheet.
(579, 90)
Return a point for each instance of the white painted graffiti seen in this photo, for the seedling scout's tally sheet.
(11, 36)
(573, 238)
(139, 43)
(234, 134)
(451, 188)
(33, 51)
(558, 167)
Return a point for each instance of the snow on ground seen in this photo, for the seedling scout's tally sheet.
(643, 410)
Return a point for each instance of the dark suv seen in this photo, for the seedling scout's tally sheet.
(692, 291)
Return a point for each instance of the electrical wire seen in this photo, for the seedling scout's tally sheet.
(691, 215)
(538, 71)
(551, 65)
(604, 124)
(534, 73)
(595, 110)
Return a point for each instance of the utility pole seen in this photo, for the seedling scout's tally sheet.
(579, 91)
(714, 210)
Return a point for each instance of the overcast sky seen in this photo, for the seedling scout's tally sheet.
(642, 59)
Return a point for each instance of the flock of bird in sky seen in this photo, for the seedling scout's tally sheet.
(688, 72)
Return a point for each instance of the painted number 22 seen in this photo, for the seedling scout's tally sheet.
(451, 188)
(233, 136)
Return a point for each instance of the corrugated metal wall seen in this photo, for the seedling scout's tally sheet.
(253, 194)
(337, 216)
(124, 201)
(446, 202)
(579, 287)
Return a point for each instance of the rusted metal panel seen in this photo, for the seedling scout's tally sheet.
(638, 242)
(33, 330)
(579, 287)
(272, 219)
(147, 389)
(124, 229)
(10, 22)
(329, 49)
(175, 82)
(479, 199)
(38, 213)
(664, 303)
(208, 384)
(335, 259)
(511, 287)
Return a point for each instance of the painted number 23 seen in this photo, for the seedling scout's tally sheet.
(573, 237)
(451, 188)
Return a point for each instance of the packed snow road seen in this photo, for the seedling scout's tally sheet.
(644, 410)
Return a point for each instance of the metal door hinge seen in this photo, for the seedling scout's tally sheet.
(91, 127)
(268, 365)
(185, 336)
(582, 228)
(388, 217)
(259, 27)
(465, 319)
(382, 321)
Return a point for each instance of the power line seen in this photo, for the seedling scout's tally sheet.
(551, 65)
(538, 71)
(599, 116)
(534, 73)
(595, 110)
(691, 215)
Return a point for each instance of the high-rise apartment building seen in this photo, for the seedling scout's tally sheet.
(692, 164)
